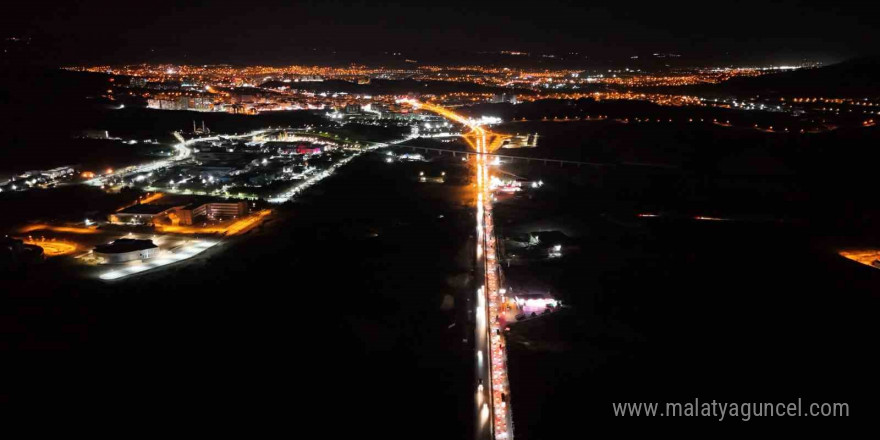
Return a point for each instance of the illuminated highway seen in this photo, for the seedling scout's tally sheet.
(492, 397)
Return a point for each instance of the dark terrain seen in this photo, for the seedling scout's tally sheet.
(328, 316)
(758, 307)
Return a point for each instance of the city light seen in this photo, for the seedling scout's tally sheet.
(175, 177)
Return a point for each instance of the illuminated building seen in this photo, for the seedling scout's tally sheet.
(195, 103)
(211, 211)
(521, 141)
(142, 214)
(308, 149)
(126, 249)
(96, 134)
(505, 97)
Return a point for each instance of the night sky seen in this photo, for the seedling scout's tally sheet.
(279, 32)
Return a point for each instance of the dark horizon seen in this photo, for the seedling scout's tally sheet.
(340, 32)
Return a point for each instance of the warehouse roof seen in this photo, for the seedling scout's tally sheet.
(146, 209)
(124, 245)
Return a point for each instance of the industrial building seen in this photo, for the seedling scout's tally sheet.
(126, 249)
(180, 213)
(143, 214)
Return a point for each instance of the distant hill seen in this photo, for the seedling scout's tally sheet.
(856, 78)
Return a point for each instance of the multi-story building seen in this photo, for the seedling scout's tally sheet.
(211, 211)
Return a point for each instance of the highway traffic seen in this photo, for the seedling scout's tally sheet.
(492, 395)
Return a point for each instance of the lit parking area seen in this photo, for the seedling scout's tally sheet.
(184, 252)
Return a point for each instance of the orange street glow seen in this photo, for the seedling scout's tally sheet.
(48, 227)
(236, 227)
(53, 248)
(868, 257)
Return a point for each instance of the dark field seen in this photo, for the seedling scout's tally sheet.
(756, 308)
